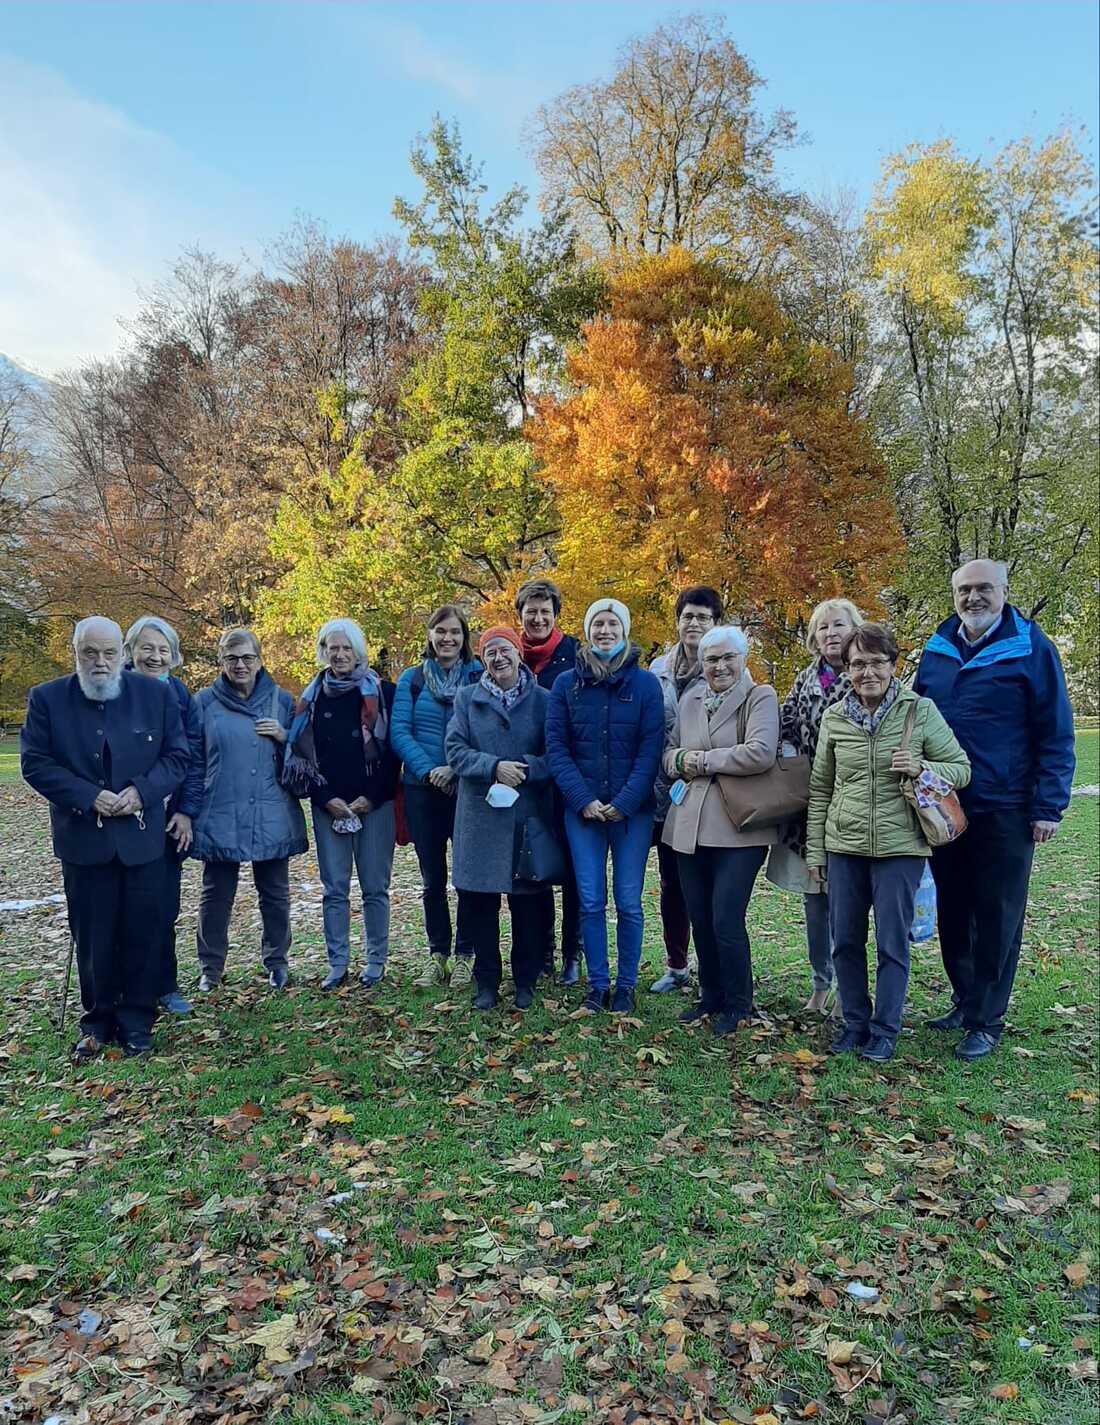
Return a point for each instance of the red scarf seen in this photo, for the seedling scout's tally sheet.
(537, 655)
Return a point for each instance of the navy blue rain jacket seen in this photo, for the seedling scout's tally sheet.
(604, 739)
(1008, 706)
(73, 747)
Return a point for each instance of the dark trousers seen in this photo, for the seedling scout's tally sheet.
(168, 977)
(717, 882)
(571, 945)
(981, 896)
(888, 885)
(479, 924)
(430, 817)
(675, 921)
(116, 914)
(219, 889)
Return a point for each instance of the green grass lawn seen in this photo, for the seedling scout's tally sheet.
(312, 1209)
(9, 759)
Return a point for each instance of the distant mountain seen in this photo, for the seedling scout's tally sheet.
(10, 368)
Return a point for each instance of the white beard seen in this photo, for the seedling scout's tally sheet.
(100, 690)
(977, 624)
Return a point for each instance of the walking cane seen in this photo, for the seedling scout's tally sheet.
(68, 981)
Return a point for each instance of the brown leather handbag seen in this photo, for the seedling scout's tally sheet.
(766, 798)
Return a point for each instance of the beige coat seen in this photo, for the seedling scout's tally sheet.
(701, 818)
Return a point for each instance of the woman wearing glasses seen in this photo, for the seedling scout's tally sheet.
(863, 839)
(246, 813)
(726, 725)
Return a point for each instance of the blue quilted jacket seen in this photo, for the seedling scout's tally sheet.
(604, 739)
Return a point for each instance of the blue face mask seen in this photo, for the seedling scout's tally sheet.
(607, 653)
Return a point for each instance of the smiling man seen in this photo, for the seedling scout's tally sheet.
(107, 748)
(998, 681)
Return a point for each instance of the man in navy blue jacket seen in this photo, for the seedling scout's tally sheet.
(998, 681)
(106, 748)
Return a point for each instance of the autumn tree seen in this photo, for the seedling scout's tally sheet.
(704, 442)
(457, 507)
(672, 149)
(987, 275)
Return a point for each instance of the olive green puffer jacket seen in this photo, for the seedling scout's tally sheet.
(856, 802)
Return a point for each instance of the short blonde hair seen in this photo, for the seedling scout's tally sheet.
(826, 607)
(233, 636)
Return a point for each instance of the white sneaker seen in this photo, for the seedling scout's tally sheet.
(670, 980)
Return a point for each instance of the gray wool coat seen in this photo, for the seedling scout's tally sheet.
(479, 735)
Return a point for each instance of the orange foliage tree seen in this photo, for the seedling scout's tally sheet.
(703, 442)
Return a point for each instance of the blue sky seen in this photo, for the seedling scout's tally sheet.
(129, 131)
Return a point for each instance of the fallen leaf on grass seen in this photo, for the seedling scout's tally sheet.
(274, 1337)
(1077, 1274)
(1008, 1391)
(839, 1353)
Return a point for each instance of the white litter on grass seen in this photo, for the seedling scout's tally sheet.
(31, 905)
(861, 1292)
(1092, 790)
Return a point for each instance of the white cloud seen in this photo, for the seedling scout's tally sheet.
(505, 96)
(94, 207)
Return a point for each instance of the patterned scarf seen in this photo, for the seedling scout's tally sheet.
(300, 768)
(509, 697)
(444, 683)
(683, 669)
(712, 702)
(855, 712)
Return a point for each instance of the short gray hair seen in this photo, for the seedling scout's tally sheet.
(133, 633)
(239, 635)
(85, 625)
(724, 633)
(351, 631)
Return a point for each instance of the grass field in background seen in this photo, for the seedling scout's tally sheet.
(387, 1207)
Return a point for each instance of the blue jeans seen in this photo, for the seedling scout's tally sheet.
(819, 939)
(628, 841)
(371, 851)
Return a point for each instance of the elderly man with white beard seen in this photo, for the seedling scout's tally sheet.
(106, 748)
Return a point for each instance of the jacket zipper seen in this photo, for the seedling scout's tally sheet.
(871, 749)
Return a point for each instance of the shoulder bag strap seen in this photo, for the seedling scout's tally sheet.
(907, 732)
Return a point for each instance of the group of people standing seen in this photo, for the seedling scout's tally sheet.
(539, 759)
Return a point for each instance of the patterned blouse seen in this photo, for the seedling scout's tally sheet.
(800, 725)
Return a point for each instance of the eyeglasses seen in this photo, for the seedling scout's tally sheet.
(696, 618)
(864, 665)
(715, 660)
(240, 658)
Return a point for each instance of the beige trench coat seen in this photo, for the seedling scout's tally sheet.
(701, 819)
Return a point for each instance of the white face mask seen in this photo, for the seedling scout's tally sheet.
(499, 795)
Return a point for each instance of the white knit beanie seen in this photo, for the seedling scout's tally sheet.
(601, 606)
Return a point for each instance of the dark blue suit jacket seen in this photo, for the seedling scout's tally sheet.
(72, 748)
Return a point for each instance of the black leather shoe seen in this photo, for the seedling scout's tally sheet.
(694, 1013)
(622, 1001)
(333, 980)
(975, 1045)
(878, 1050)
(279, 978)
(596, 1001)
(525, 997)
(485, 999)
(570, 972)
(953, 1019)
(848, 1041)
(723, 1024)
(137, 1044)
(87, 1047)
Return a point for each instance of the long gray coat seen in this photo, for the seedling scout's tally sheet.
(479, 735)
